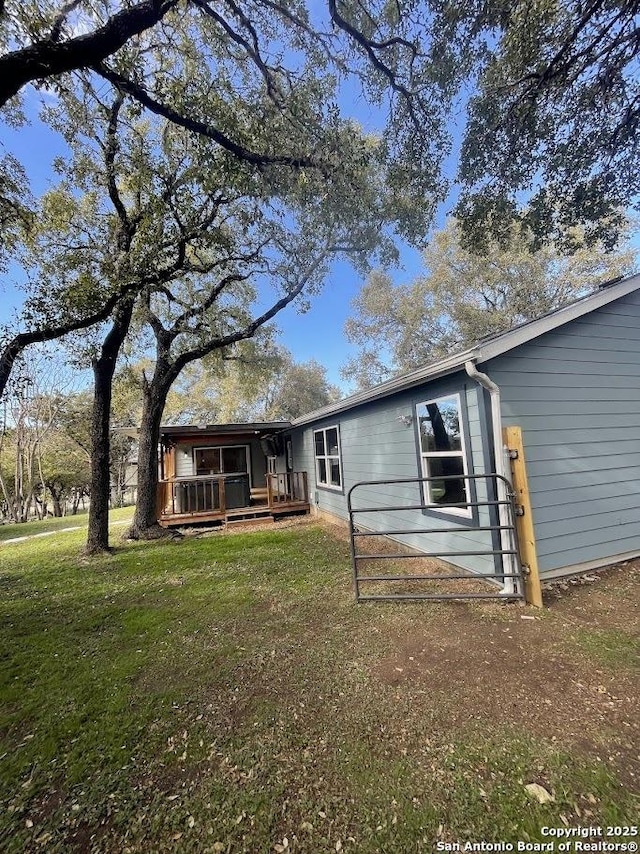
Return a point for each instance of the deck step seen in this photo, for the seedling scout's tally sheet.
(247, 514)
(248, 520)
(236, 515)
(241, 512)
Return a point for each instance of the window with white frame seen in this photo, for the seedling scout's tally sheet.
(327, 451)
(443, 456)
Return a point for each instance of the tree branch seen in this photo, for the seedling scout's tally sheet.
(370, 48)
(20, 342)
(110, 150)
(58, 24)
(252, 50)
(50, 57)
(226, 340)
(123, 84)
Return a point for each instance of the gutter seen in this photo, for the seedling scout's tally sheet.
(511, 584)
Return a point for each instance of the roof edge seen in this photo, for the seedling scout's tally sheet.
(427, 372)
(575, 310)
(480, 352)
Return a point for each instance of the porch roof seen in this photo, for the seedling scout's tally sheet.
(189, 430)
(227, 429)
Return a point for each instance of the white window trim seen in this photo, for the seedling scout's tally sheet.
(222, 474)
(424, 456)
(326, 457)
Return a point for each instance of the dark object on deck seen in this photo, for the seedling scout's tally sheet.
(237, 491)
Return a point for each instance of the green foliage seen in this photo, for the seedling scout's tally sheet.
(464, 296)
(280, 390)
(296, 389)
(65, 466)
(545, 95)
(553, 120)
(16, 216)
(261, 382)
(149, 209)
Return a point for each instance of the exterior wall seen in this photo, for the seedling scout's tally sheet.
(185, 463)
(575, 393)
(375, 444)
(281, 459)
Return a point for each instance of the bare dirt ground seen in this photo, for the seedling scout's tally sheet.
(570, 671)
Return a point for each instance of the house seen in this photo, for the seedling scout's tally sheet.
(569, 380)
(228, 472)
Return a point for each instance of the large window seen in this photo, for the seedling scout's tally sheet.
(443, 455)
(225, 459)
(327, 451)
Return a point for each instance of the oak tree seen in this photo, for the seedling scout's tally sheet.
(462, 297)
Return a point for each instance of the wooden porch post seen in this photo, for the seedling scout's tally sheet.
(524, 523)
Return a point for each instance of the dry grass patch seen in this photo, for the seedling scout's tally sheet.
(225, 693)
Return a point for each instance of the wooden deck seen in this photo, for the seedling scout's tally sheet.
(247, 514)
(206, 500)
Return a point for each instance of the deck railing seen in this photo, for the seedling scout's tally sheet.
(191, 496)
(208, 495)
(286, 487)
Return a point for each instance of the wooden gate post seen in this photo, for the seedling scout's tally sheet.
(524, 522)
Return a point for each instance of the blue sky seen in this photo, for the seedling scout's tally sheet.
(316, 334)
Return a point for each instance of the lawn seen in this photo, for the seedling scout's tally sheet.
(10, 530)
(224, 693)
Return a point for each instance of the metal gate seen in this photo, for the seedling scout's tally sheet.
(503, 509)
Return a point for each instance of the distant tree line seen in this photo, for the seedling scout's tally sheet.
(45, 442)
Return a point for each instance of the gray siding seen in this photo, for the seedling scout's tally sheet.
(575, 393)
(376, 445)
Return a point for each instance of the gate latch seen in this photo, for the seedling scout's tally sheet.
(519, 510)
(513, 453)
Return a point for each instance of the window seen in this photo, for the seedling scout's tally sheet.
(327, 450)
(227, 459)
(442, 454)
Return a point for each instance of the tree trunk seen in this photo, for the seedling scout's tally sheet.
(57, 506)
(8, 508)
(104, 368)
(145, 521)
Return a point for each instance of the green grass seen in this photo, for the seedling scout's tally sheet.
(220, 694)
(610, 647)
(12, 530)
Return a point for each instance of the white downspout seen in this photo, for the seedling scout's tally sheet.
(511, 583)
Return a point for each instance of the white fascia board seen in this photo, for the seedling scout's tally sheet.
(479, 353)
(526, 333)
(422, 374)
